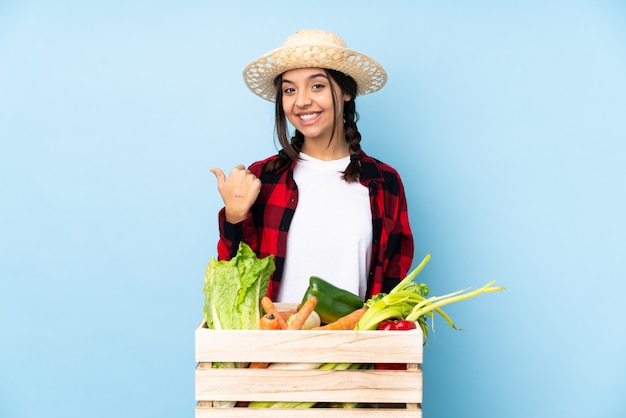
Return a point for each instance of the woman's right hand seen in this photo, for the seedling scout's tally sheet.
(239, 192)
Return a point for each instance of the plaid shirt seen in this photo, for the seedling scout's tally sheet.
(265, 230)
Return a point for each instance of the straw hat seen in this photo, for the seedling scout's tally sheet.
(313, 49)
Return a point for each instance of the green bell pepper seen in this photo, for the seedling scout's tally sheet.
(332, 301)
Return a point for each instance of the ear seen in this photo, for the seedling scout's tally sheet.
(347, 97)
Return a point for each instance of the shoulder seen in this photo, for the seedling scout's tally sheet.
(269, 175)
(257, 167)
(374, 168)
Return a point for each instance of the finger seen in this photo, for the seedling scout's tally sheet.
(219, 175)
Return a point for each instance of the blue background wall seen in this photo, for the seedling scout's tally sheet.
(505, 119)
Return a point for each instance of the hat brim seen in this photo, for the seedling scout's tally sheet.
(259, 75)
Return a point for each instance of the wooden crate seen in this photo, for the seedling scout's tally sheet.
(384, 393)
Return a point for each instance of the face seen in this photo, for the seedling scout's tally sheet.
(308, 103)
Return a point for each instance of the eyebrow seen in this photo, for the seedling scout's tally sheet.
(311, 77)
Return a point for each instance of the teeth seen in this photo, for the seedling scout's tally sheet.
(309, 116)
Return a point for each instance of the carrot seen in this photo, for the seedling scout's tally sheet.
(269, 322)
(258, 365)
(347, 322)
(269, 306)
(299, 318)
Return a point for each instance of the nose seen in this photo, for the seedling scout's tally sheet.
(303, 99)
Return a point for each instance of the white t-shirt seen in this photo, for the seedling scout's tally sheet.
(330, 235)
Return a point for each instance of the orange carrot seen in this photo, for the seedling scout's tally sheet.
(258, 365)
(299, 318)
(269, 321)
(269, 306)
(344, 323)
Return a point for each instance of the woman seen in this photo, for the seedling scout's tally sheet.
(321, 206)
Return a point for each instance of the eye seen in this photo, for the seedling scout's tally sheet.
(288, 90)
(318, 86)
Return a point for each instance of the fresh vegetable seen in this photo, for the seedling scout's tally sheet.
(287, 314)
(225, 404)
(258, 365)
(312, 321)
(332, 301)
(345, 323)
(399, 310)
(269, 322)
(297, 320)
(233, 289)
(401, 325)
(295, 366)
(292, 319)
(409, 300)
(268, 306)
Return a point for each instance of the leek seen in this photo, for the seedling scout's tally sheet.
(409, 300)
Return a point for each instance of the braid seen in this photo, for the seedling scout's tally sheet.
(287, 154)
(353, 138)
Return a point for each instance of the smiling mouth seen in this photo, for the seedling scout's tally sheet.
(308, 116)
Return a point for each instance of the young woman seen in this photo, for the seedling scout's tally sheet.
(321, 206)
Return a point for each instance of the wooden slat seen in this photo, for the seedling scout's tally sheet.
(309, 346)
(307, 413)
(389, 386)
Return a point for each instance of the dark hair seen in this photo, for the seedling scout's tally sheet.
(292, 146)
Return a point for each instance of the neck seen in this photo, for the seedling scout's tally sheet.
(320, 148)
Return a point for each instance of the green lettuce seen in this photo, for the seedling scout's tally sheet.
(233, 289)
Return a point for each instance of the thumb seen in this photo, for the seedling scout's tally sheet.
(219, 175)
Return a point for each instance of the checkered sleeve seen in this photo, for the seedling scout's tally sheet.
(232, 234)
(400, 245)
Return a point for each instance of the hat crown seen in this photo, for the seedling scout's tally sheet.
(314, 37)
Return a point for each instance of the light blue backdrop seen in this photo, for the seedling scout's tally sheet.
(506, 120)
